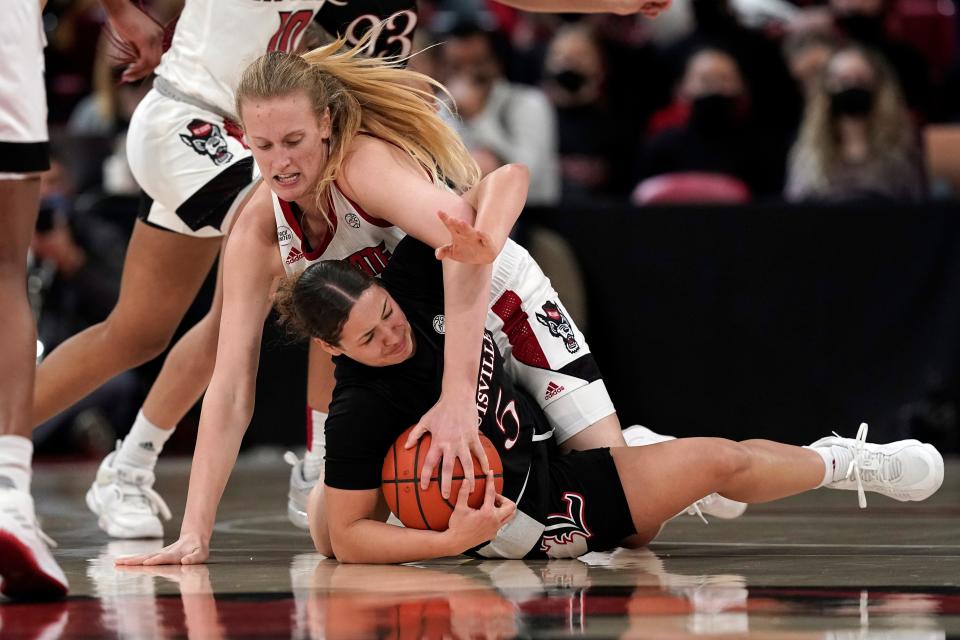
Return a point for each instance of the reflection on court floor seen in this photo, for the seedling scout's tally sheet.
(782, 571)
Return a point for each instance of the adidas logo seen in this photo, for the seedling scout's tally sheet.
(294, 255)
(552, 389)
(147, 446)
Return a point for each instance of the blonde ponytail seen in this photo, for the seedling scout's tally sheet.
(369, 95)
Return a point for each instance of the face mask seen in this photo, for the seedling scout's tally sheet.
(713, 112)
(854, 101)
(570, 80)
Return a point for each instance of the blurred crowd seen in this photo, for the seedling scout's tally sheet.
(721, 101)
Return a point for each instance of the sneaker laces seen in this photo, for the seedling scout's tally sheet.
(694, 509)
(138, 485)
(858, 462)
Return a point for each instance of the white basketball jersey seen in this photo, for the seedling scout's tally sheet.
(215, 40)
(364, 241)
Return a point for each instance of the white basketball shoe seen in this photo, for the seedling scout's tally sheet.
(299, 492)
(714, 504)
(906, 470)
(123, 498)
(27, 567)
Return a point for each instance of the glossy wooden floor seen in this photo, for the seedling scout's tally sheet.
(810, 567)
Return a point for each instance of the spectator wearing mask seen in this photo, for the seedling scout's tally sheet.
(774, 97)
(857, 140)
(719, 136)
(500, 122)
(865, 22)
(592, 146)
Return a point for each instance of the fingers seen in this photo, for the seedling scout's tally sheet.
(462, 496)
(131, 561)
(415, 434)
(477, 448)
(444, 252)
(490, 492)
(466, 461)
(446, 474)
(429, 465)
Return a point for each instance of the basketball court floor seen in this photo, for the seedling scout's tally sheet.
(809, 567)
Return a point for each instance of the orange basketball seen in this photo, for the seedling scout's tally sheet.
(419, 509)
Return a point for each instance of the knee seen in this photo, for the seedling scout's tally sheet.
(729, 459)
(140, 341)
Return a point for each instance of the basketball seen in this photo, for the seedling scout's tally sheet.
(419, 509)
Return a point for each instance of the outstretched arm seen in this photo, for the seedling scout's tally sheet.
(649, 8)
(498, 200)
(387, 183)
(251, 265)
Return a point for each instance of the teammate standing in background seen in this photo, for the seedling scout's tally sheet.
(27, 568)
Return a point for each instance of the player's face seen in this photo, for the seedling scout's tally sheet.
(288, 142)
(376, 332)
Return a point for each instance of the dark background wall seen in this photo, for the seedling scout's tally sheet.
(781, 322)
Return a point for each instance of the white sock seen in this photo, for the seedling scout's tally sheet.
(835, 462)
(316, 447)
(16, 452)
(143, 444)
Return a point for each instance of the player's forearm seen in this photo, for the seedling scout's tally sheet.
(224, 419)
(371, 542)
(466, 300)
(499, 200)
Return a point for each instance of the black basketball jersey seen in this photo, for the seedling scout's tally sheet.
(397, 21)
(372, 406)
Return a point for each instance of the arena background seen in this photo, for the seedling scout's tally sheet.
(751, 319)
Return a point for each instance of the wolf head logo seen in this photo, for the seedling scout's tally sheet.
(206, 139)
(559, 326)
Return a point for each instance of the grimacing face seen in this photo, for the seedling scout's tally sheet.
(376, 332)
(287, 141)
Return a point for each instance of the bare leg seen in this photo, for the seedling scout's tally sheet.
(188, 368)
(161, 276)
(662, 479)
(18, 342)
(602, 433)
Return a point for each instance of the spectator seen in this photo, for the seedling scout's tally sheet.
(865, 22)
(774, 97)
(857, 140)
(719, 136)
(500, 122)
(592, 145)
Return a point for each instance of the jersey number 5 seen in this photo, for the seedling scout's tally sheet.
(292, 26)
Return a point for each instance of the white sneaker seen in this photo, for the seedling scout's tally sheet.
(714, 504)
(123, 498)
(906, 470)
(26, 564)
(300, 489)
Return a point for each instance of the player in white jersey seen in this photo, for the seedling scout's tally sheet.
(27, 569)
(335, 163)
(195, 171)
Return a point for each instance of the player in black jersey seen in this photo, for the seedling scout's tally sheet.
(388, 350)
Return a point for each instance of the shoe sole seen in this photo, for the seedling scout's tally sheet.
(23, 577)
(107, 527)
(297, 517)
